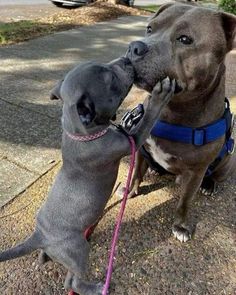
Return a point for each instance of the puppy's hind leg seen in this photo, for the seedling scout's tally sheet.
(74, 255)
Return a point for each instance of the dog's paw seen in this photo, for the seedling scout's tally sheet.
(208, 187)
(163, 91)
(181, 233)
(121, 190)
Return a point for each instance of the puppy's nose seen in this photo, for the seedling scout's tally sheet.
(127, 62)
(137, 49)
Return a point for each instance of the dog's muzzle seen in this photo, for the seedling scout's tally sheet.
(137, 50)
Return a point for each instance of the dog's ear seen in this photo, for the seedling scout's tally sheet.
(55, 93)
(86, 109)
(229, 26)
(161, 9)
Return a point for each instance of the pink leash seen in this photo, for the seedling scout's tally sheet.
(119, 219)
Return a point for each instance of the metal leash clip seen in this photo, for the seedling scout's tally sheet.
(131, 118)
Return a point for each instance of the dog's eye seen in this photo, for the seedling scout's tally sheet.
(185, 40)
(149, 30)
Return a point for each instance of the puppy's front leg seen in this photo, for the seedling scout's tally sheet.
(161, 95)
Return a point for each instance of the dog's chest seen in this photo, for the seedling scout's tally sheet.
(158, 154)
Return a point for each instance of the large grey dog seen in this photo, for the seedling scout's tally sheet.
(91, 94)
(187, 43)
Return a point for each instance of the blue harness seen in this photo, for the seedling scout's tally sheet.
(195, 136)
(201, 136)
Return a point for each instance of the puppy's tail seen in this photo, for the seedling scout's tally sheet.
(34, 242)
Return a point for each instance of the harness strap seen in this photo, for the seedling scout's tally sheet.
(196, 136)
(228, 148)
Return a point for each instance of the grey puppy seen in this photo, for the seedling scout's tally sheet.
(91, 94)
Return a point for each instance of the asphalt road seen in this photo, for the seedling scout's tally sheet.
(16, 10)
(23, 2)
(39, 2)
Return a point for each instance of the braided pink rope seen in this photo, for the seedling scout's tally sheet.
(87, 137)
(119, 218)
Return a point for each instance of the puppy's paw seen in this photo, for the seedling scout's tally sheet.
(208, 187)
(181, 233)
(163, 91)
(99, 288)
(68, 281)
(86, 288)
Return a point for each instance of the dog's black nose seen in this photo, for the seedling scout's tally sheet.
(137, 49)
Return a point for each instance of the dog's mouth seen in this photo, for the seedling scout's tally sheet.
(142, 83)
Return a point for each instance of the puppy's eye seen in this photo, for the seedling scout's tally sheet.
(185, 40)
(149, 30)
(113, 78)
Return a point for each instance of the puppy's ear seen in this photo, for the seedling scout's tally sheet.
(229, 26)
(55, 93)
(86, 109)
(113, 118)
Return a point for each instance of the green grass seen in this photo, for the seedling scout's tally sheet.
(22, 30)
(151, 8)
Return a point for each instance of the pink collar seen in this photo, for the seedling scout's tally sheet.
(88, 137)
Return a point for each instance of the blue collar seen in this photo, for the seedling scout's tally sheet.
(196, 136)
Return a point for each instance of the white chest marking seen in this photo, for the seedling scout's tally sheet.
(158, 155)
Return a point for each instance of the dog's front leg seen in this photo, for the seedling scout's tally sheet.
(190, 182)
(140, 169)
(161, 95)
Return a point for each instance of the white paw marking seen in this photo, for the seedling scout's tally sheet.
(181, 236)
(205, 192)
